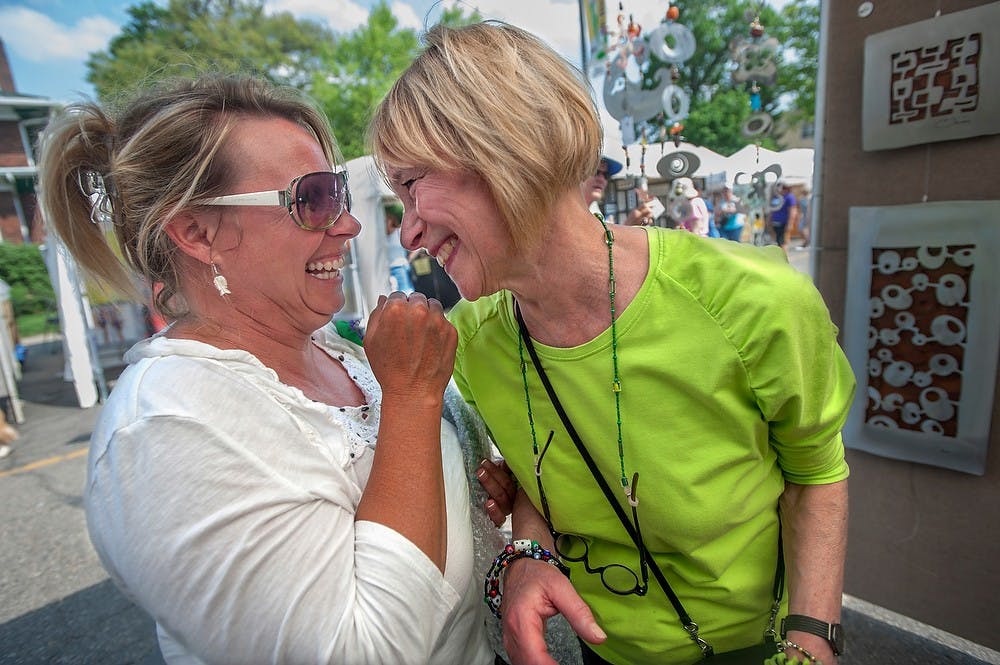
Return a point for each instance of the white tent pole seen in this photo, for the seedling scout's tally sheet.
(82, 366)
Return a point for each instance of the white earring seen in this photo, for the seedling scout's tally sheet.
(219, 281)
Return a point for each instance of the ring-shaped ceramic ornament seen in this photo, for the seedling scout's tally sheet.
(757, 124)
(676, 103)
(683, 40)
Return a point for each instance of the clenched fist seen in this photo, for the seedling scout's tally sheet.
(410, 346)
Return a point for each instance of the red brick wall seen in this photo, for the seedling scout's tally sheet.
(11, 147)
(10, 227)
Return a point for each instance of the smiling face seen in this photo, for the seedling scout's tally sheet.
(453, 216)
(280, 275)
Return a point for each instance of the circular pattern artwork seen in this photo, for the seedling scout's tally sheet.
(918, 331)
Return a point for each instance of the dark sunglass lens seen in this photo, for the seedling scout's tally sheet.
(320, 199)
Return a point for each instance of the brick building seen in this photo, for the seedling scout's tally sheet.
(22, 118)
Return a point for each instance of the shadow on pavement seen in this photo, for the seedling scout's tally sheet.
(95, 625)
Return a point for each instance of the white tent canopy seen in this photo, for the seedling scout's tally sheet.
(797, 166)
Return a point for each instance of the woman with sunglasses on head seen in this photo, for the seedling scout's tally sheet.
(702, 384)
(235, 490)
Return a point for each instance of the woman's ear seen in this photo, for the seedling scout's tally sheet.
(193, 235)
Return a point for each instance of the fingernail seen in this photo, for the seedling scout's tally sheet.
(480, 473)
(490, 503)
(483, 462)
(598, 633)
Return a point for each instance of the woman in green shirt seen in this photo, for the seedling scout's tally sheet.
(709, 369)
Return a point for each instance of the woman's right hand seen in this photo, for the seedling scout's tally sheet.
(410, 346)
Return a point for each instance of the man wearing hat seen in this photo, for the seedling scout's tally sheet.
(593, 191)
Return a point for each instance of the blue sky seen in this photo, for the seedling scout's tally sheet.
(48, 41)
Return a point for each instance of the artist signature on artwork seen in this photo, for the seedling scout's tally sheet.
(950, 121)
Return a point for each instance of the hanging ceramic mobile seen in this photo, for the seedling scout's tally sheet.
(755, 60)
(643, 181)
(673, 43)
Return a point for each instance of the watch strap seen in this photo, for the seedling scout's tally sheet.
(813, 626)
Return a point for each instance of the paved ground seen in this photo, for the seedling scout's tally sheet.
(57, 605)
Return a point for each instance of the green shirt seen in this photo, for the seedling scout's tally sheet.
(732, 384)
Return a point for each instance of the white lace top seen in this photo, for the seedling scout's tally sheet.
(223, 502)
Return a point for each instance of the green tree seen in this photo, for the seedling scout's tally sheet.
(360, 67)
(718, 105)
(798, 32)
(22, 267)
(187, 37)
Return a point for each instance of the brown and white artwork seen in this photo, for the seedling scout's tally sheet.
(918, 315)
(922, 330)
(935, 80)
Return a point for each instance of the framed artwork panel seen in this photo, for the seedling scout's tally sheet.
(934, 80)
(922, 331)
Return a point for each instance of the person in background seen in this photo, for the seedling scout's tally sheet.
(805, 217)
(267, 491)
(8, 434)
(109, 320)
(694, 215)
(399, 263)
(593, 188)
(731, 419)
(713, 230)
(785, 213)
(728, 216)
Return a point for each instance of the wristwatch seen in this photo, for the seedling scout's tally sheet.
(833, 633)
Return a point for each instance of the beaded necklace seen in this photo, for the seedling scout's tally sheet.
(616, 384)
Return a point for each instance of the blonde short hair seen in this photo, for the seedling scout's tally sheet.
(493, 99)
(154, 158)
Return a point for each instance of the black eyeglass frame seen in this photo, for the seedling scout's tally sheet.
(290, 200)
(639, 589)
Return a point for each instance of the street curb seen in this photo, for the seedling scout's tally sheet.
(922, 630)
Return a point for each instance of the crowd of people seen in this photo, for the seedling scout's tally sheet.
(272, 492)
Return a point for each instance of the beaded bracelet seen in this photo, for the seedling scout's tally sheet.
(519, 549)
(788, 644)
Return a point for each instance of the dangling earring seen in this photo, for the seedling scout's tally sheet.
(219, 281)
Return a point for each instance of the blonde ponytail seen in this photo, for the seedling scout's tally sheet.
(76, 196)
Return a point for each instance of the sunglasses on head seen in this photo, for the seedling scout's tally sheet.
(314, 201)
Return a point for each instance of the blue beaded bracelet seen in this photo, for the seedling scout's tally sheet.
(519, 549)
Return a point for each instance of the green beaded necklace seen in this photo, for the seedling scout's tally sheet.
(616, 383)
